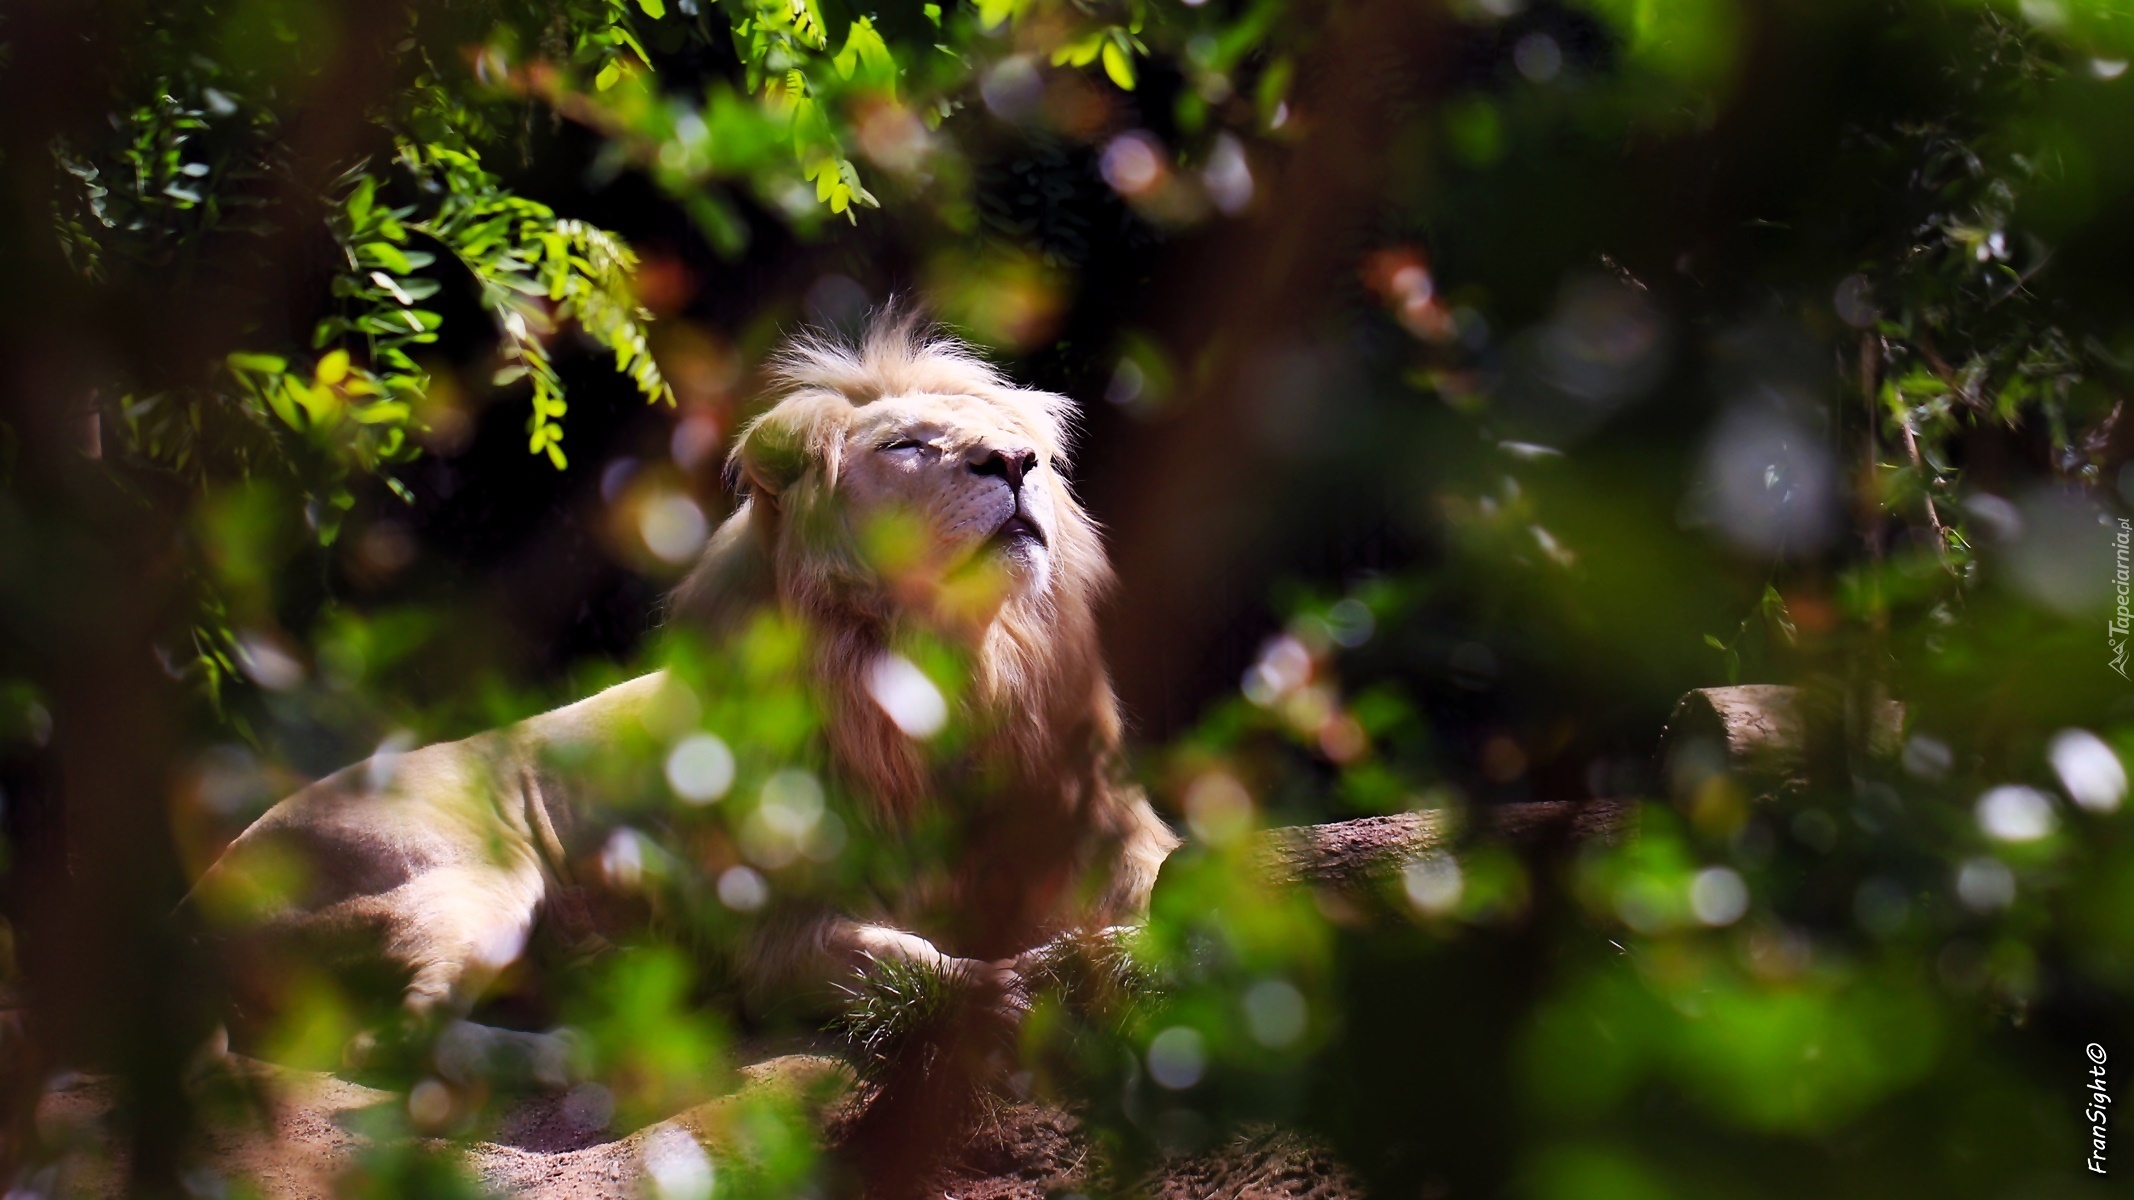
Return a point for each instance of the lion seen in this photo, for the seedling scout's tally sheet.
(439, 865)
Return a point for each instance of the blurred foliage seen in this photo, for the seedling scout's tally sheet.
(1674, 343)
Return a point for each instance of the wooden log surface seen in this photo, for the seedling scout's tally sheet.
(1762, 733)
(1759, 733)
(1350, 852)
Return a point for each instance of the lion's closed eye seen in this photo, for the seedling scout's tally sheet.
(898, 444)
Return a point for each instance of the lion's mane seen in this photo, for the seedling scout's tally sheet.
(1040, 693)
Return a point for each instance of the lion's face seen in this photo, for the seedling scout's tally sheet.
(902, 476)
(977, 485)
(909, 471)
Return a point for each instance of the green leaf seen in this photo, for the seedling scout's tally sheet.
(1079, 53)
(264, 364)
(809, 25)
(1119, 66)
(1273, 88)
(320, 402)
(654, 9)
(280, 398)
(387, 255)
(360, 201)
(866, 58)
(1712, 640)
(723, 227)
(378, 414)
(282, 408)
(332, 369)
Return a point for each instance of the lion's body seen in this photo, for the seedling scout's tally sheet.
(439, 864)
(435, 864)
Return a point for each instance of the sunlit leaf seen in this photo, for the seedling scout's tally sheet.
(332, 368)
(1119, 65)
(387, 255)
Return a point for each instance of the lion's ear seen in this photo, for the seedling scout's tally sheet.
(771, 455)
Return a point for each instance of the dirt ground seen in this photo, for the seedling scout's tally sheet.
(555, 1146)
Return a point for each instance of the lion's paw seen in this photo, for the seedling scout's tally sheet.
(466, 1052)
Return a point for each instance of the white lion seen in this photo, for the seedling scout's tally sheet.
(441, 864)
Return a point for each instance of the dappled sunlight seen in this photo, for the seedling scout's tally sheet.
(1467, 599)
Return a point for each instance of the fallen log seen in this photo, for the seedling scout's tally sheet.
(1761, 734)
(1769, 736)
(1371, 848)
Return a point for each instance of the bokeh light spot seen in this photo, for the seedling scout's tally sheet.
(1927, 757)
(1275, 1013)
(1228, 176)
(1770, 483)
(1985, 884)
(1218, 808)
(1881, 907)
(265, 662)
(1177, 1058)
(673, 527)
(785, 821)
(695, 441)
(2093, 775)
(1718, 896)
(1434, 883)
(700, 768)
(622, 859)
(907, 695)
(1134, 164)
(1854, 301)
(743, 889)
(1350, 622)
(430, 1105)
(2013, 813)
(676, 1165)
(1012, 89)
(1538, 57)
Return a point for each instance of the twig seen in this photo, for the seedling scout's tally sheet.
(1911, 448)
(1943, 371)
(1871, 507)
(1941, 533)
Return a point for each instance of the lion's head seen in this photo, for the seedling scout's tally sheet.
(902, 481)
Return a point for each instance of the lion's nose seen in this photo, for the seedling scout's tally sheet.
(1010, 464)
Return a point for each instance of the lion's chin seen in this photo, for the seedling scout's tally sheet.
(991, 576)
(1025, 558)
